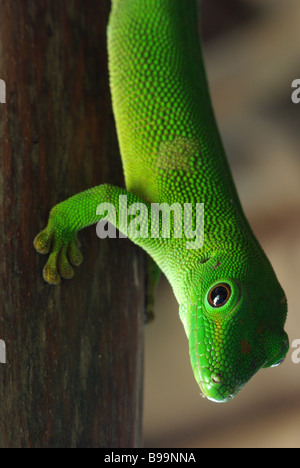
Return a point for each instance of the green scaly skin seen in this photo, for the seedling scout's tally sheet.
(172, 152)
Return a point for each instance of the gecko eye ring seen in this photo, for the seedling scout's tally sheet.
(219, 295)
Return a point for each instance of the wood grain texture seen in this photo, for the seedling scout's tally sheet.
(74, 370)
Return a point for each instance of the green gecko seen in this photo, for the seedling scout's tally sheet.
(230, 302)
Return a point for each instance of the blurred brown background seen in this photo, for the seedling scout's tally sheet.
(252, 54)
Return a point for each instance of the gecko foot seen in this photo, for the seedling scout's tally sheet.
(64, 252)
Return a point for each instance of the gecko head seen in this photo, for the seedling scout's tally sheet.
(235, 325)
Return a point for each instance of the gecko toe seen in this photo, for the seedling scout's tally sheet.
(74, 253)
(42, 241)
(64, 268)
(50, 273)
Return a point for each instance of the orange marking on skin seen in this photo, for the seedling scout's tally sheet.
(245, 347)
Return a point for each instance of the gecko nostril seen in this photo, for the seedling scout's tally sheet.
(216, 378)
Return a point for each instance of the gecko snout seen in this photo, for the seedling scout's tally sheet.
(216, 387)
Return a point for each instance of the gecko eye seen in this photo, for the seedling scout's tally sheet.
(219, 295)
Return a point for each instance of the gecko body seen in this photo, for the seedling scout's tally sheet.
(230, 302)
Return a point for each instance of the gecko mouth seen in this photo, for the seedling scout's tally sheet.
(215, 396)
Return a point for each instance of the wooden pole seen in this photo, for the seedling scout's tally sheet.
(74, 353)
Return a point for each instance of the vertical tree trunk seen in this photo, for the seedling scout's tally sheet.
(74, 352)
